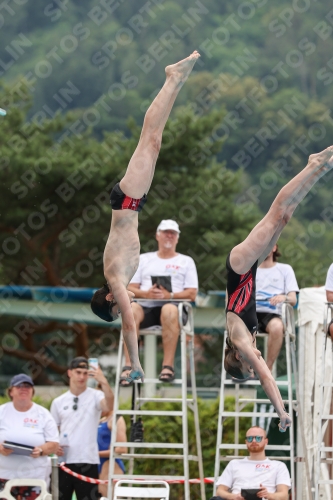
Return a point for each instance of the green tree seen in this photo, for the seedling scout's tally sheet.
(57, 177)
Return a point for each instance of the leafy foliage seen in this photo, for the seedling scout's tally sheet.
(77, 80)
(57, 182)
(58, 188)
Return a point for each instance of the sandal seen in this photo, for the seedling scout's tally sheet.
(123, 381)
(167, 377)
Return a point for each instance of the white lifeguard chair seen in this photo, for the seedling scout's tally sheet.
(324, 415)
(186, 401)
(141, 489)
(241, 402)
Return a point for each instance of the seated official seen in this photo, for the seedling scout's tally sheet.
(156, 311)
(270, 477)
(275, 283)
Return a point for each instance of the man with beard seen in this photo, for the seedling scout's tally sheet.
(182, 276)
(270, 477)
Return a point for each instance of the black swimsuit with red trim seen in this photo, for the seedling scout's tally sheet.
(241, 290)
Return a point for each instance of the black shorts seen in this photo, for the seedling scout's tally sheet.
(264, 319)
(120, 201)
(153, 316)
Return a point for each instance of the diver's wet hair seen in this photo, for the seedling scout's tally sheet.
(102, 307)
(232, 365)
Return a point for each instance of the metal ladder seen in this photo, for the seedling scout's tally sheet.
(187, 402)
(324, 419)
(240, 402)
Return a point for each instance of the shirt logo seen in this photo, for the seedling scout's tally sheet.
(32, 423)
(263, 466)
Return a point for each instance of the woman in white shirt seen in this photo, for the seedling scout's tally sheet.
(26, 423)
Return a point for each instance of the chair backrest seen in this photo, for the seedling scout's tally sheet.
(12, 483)
(133, 488)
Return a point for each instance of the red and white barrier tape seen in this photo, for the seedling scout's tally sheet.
(207, 480)
(80, 476)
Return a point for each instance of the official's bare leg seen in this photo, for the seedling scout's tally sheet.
(275, 341)
(170, 334)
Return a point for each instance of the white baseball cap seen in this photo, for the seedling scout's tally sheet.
(170, 224)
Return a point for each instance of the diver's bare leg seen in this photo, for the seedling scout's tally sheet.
(266, 233)
(140, 171)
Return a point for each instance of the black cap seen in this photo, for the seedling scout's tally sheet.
(79, 362)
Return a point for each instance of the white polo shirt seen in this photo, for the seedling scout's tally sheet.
(180, 268)
(246, 473)
(31, 428)
(80, 425)
(271, 281)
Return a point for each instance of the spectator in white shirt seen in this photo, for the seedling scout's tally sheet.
(77, 413)
(275, 283)
(24, 422)
(184, 281)
(256, 471)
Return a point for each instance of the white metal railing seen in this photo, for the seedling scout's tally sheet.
(187, 402)
(290, 342)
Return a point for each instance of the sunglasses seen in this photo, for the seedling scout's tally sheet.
(258, 439)
(24, 385)
(75, 405)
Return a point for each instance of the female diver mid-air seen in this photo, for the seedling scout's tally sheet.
(242, 358)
